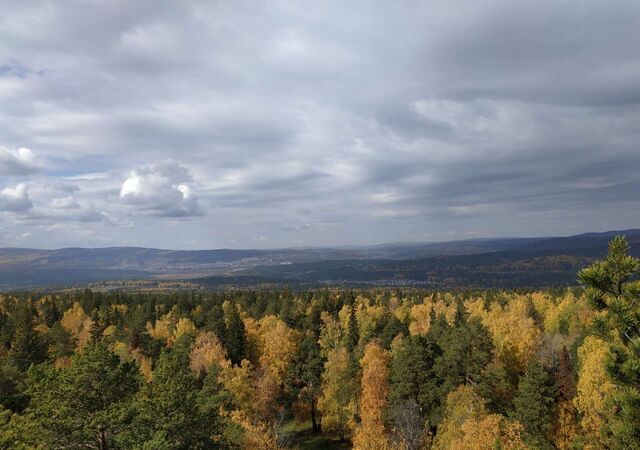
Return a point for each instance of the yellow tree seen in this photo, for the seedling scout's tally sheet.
(463, 404)
(278, 343)
(371, 432)
(207, 350)
(594, 390)
(515, 334)
(339, 387)
(489, 433)
(78, 324)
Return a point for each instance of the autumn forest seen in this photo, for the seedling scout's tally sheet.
(326, 368)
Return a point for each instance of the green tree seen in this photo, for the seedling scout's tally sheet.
(413, 377)
(304, 377)
(27, 346)
(88, 405)
(613, 286)
(466, 350)
(171, 413)
(235, 336)
(533, 405)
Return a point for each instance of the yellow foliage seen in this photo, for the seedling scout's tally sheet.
(252, 331)
(163, 327)
(184, 327)
(78, 324)
(475, 308)
(144, 364)
(331, 336)
(488, 433)
(594, 388)
(463, 404)
(515, 335)
(122, 350)
(257, 435)
(238, 381)
(207, 350)
(420, 318)
(337, 402)
(565, 427)
(279, 344)
(370, 433)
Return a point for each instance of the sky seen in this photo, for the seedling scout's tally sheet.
(265, 124)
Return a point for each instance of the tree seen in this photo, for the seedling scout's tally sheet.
(87, 405)
(170, 413)
(462, 405)
(339, 388)
(488, 433)
(534, 404)
(413, 376)
(235, 336)
(371, 433)
(27, 346)
(304, 378)
(353, 334)
(614, 288)
(466, 351)
(595, 391)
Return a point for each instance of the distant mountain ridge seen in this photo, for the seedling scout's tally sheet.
(382, 264)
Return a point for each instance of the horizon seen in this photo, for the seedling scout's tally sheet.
(339, 246)
(280, 125)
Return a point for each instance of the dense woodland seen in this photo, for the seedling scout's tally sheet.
(372, 369)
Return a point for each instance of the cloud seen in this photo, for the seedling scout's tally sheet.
(15, 199)
(18, 162)
(161, 190)
(477, 117)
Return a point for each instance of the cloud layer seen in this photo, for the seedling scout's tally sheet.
(242, 124)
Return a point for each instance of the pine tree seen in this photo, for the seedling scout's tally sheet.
(413, 377)
(534, 403)
(235, 336)
(27, 346)
(172, 414)
(85, 406)
(613, 286)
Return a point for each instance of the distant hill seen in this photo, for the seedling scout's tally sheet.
(507, 262)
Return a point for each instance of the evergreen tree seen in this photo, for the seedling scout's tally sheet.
(466, 351)
(413, 377)
(304, 378)
(171, 413)
(534, 404)
(88, 405)
(27, 346)
(613, 285)
(235, 336)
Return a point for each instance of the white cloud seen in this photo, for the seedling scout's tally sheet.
(18, 162)
(161, 190)
(15, 199)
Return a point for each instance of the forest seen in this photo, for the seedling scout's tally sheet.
(327, 368)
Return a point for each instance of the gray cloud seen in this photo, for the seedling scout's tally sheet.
(15, 199)
(316, 124)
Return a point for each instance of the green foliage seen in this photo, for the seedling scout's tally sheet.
(171, 412)
(27, 346)
(613, 286)
(534, 403)
(89, 404)
(235, 336)
(413, 376)
(466, 350)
